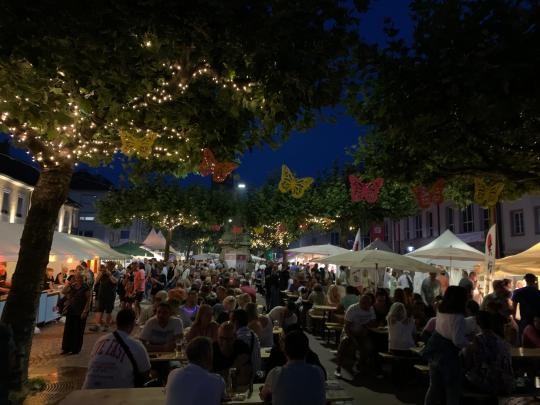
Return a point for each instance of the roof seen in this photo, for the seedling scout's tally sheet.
(18, 170)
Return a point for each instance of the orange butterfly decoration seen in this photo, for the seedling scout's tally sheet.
(434, 195)
(219, 170)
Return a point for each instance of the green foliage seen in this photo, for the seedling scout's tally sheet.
(461, 101)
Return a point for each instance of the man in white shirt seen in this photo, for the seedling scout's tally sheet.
(358, 318)
(284, 316)
(160, 332)
(405, 280)
(194, 384)
(110, 366)
(297, 382)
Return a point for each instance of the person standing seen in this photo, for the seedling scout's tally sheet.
(431, 288)
(106, 295)
(111, 366)
(194, 384)
(140, 286)
(528, 299)
(76, 307)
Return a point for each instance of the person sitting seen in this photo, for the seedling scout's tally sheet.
(231, 352)
(531, 333)
(150, 311)
(188, 311)
(358, 318)
(194, 384)
(284, 315)
(278, 358)
(261, 325)
(297, 382)
(228, 306)
(240, 320)
(110, 364)
(333, 297)
(203, 325)
(401, 330)
(381, 306)
(488, 360)
(161, 332)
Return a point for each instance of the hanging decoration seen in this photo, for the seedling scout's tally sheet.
(258, 230)
(289, 182)
(215, 227)
(135, 145)
(368, 191)
(486, 194)
(237, 230)
(425, 197)
(219, 170)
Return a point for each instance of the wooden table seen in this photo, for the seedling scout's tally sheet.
(156, 395)
(327, 309)
(382, 330)
(156, 357)
(525, 353)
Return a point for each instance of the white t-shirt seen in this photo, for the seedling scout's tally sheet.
(278, 314)
(194, 385)
(452, 327)
(400, 335)
(109, 365)
(403, 281)
(157, 335)
(359, 317)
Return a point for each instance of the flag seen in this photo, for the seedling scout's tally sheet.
(357, 241)
(489, 258)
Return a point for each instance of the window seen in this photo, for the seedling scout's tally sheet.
(537, 220)
(20, 204)
(467, 220)
(429, 223)
(124, 234)
(484, 216)
(450, 218)
(5, 202)
(407, 229)
(516, 221)
(418, 226)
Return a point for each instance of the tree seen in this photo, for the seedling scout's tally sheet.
(460, 101)
(160, 80)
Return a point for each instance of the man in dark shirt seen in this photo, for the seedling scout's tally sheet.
(230, 352)
(528, 299)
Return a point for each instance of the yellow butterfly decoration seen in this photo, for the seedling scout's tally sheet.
(485, 194)
(258, 230)
(288, 182)
(141, 146)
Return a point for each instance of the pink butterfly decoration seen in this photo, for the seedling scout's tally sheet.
(368, 191)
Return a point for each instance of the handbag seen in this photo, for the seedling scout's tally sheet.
(139, 379)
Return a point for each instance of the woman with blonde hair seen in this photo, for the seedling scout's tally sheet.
(203, 324)
(333, 297)
(401, 330)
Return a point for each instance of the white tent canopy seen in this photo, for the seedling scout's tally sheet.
(155, 241)
(64, 246)
(522, 263)
(365, 259)
(317, 250)
(440, 251)
(378, 244)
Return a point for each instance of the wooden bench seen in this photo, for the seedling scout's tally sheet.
(336, 327)
(422, 369)
(397, 363)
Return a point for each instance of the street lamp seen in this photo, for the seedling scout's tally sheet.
(241, 185)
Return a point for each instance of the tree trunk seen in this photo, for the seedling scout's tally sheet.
(23, 299)
(168, 239)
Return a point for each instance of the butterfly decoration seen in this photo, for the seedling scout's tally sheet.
(258, 230)
(237, 230)
(210, 165)
(486, 194)
(368, 191)
(135, 145)
(434, 195)
(215, 227)
(289, 182)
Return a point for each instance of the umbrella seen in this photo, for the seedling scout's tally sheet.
(449, 253)
(377, 259)
(319, 250)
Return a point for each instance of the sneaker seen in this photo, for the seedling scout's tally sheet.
(337, 373)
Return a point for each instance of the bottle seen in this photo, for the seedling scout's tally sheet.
(233, 380)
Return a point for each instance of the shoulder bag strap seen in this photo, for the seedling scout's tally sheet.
(127, 351)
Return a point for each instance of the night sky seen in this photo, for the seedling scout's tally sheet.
(312, 152)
